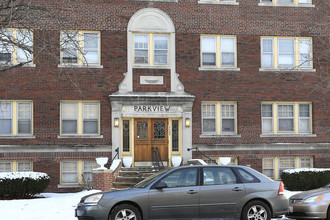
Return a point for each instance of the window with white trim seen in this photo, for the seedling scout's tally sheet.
(24, 166)
(151, 49)
(15, 118)
(80, 118)
(286, 53)
(286, 163)
(77, 171)
(306, 162)
(80, 47)
(268, 167)
(16, 166)
(303, 3)
(218, 51)
(286, 118)
(230, 2)
(16, 46)
(219, 118)
(5, 166)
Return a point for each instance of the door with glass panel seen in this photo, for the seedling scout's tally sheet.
(150, 133)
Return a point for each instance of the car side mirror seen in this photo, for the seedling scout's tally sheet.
(161, 185)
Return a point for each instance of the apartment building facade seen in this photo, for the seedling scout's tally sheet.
(241, 79)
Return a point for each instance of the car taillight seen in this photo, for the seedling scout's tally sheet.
(281, 189)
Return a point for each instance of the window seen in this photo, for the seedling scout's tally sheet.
(218, 176)
(268, 167)
(77, 171)
(16, 166)
(286, 118)
(306, 162)
(80, 118)
(286, 53)
(229, 2)
(16, 46)
(80, 48)
(151, 49)
(303, 3)
(218, 51)
(286, 163)
(181, 178)
(219, 118)
(15, 118)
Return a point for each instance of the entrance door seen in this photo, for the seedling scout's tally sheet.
(149, 133)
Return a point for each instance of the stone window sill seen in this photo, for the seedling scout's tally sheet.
(218, 3)
(90, 66)
(220, 136)
(286, 70)
(219, 69)
(137, 66)
(286, 5)
(79, 136)
(288, 135)
(17, 137)
(174, 1)
(66, 186)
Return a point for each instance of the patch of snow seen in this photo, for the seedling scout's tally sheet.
(18, 175)
(306, 170)
(115, 164)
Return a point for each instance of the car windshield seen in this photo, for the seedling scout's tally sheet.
(150, 179)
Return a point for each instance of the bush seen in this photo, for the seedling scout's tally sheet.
(305, 179)
(22, 185)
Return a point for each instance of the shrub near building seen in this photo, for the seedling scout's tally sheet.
(305, 179)
(22, 185)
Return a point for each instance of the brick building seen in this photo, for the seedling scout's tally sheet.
(245, 79)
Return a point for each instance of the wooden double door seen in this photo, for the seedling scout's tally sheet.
(150, 133)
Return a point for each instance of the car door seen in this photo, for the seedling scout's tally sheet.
(220, 193)
(179, 199)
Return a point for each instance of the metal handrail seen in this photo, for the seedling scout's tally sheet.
(201, 153)
(157, 159)
(108, 164)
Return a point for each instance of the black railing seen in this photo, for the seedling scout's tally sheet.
(198, 152)
(108, 164)
(157, 159)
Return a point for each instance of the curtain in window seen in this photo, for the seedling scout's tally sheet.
(91, 117)
(209, 51)
(69, 118)
(5, 117)
(227, 51)
(286, 52)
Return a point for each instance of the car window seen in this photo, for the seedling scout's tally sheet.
(247, 177)
(181, 178)
(218, 176)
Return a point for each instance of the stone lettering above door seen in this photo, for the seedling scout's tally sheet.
(151, 110)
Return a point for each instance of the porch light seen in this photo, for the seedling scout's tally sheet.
(187, 122)
(116, 123)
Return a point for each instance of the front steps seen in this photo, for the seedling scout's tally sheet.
(128, 177)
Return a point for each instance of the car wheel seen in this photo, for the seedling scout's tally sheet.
(125, 212)
(256, 210)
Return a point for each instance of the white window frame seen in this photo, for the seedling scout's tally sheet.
(286, 117)
(284, 168)
(203, 51)
(310, 162)
(267, 118)
(210, 117)
(29, 118)
(293, 3)
(7, 118)
(69, 172)
(24, 161)
(234, 118)
(279, 53)
(7, 162)
(273, 168)
(304, 118)
(71, 119)
(167, 50)
(220, 2)
(91, 119)
(78, 46)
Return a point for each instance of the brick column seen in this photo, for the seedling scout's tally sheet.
(104, 179)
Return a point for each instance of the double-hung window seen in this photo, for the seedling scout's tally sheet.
(16, 46)
(303, 3)
(219, 118)
(286, 53)
(16, 166)
(229, 2)
(80, 48)
(80, 118)
(75, 172)
(151, 49)
(286, 118)
(15, 118)
(218, 52)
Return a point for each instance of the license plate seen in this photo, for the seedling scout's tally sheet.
(290, 208)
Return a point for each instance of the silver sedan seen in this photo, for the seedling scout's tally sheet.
(312, 204)
(192, 192)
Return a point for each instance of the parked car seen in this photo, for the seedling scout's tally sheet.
(191, 192)
(312, 204)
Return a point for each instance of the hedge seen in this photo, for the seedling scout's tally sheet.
(22, 185)
(305, 179)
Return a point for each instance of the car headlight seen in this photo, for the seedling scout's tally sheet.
(313, 199)
(93, 199)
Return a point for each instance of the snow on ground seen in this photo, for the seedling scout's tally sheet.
(55, 206)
